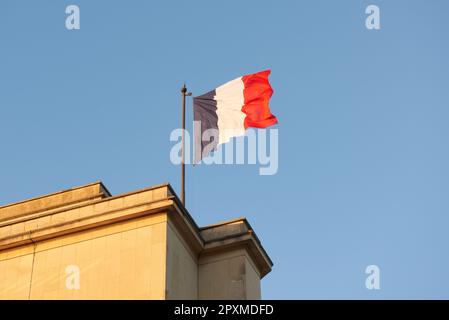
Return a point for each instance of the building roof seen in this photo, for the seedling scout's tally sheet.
(92, 205)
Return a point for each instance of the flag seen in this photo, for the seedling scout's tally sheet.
(230, 109)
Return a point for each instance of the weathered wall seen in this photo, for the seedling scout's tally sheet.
(138, 245)
(120, 261)
(228, 275)
(182, 268)
(15, 275)
(252, 281)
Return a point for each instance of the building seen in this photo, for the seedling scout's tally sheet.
(84, 243)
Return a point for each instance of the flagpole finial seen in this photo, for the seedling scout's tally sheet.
(184, 91)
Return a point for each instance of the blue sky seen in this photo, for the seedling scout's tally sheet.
(363, 125)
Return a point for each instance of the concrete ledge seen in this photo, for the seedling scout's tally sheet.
(236, 233)
(58, 200)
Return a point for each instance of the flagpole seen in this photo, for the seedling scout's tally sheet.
(184, 93)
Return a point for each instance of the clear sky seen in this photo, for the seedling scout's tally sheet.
(363, 125)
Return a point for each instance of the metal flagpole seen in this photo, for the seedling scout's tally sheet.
(183, 162)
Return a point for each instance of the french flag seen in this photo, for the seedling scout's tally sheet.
(230, 109)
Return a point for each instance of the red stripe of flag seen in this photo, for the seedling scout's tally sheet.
(257, 94)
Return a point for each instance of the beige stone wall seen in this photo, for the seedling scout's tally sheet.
(120, 261)
(182, 268)
(138, 245)
(15, 276)
(228, 275)
(252, 281)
